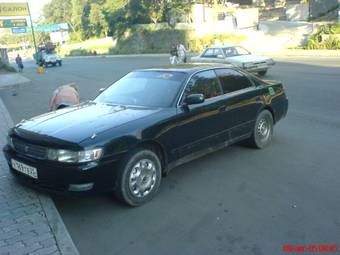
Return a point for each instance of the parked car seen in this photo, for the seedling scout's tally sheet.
(142, 126)
(236, 55)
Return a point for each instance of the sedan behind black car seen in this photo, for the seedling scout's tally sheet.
(142, 126)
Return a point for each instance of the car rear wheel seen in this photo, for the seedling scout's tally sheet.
(139, 177)
(262, 73)
(263, 130)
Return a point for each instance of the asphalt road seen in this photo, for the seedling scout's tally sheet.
(279, 200)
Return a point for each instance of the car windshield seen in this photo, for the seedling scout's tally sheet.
(50, 52)
(144, 88)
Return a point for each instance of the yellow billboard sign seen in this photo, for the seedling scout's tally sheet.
(14, 9)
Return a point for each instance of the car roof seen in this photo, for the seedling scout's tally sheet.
(222, 46)
(188, 67)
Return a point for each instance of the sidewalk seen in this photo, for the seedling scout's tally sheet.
(29, 220)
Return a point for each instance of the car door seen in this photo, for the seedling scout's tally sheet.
(199, 125)
(211, 55)
(243, 102)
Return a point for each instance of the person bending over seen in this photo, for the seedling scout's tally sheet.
(64, 96)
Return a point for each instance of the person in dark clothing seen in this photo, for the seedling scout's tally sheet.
(173, 54)
(18, 60)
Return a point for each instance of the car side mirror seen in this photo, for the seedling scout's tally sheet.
(101, 90)
(194, 99)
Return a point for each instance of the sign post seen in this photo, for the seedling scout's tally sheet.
(17, 9)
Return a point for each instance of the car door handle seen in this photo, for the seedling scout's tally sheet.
(222, 108)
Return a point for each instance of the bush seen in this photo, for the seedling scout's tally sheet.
(200, 43)
(333, 42)
(7, 68)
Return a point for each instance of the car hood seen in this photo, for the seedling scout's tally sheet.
(79, 122)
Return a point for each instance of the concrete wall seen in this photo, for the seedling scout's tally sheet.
(297, 12)
(318, 7)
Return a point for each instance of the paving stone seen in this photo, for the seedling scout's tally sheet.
(21, 237)
(4, 214)
(17, 226)
(14, 215)
(6, 207)
(3, 243)
(30, 248)
(10, 234)
(30, 217)
(10, 249)
(41, 228)
(6, 223)
(39, 238)
(49, 250)
(48, 242)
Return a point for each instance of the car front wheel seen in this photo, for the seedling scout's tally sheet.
(262, 73)
(139, 177)
(263, 130)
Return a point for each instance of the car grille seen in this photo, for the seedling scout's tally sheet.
(29, 149)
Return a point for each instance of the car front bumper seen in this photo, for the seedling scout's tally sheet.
(66, 178)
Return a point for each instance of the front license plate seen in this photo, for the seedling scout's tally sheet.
(28, 170)
(262, 66)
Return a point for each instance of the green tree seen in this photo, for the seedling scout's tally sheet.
(117, 16)
(97, 22)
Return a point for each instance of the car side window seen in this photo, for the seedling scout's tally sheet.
(205, 83)
(208, 53)
(212, 53)
(232, 80)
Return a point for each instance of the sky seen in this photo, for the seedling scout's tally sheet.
(34, 5)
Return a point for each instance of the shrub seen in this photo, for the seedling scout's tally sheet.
(8, 68)
(200, 43)
(333, 42)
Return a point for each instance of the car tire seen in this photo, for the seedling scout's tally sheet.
(45, 64)
(60, 64)
(138, 178)
(262, 73)
(263, 130)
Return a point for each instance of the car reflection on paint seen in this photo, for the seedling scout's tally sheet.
(142, 126)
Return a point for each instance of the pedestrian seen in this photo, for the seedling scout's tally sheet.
(173, 54)
(182, 53)
(64, 96)
(18, 60)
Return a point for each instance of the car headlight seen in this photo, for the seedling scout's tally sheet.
(249, 64)
(69, 156)
(9, 141)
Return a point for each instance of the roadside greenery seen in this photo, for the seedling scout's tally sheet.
(316, 41)
(7, 68)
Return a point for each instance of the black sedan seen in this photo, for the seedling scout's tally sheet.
(140, 127)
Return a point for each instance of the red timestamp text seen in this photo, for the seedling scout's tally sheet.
(311, 248)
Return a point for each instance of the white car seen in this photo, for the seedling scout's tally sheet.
(236, 55)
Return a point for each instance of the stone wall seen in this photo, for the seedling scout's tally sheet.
(318, 7)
